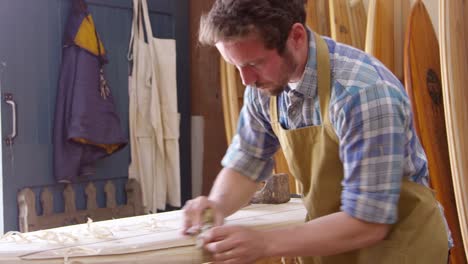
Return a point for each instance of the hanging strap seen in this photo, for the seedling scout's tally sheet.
(137, 28)
(148, 29)
(140, 11)
(134, 30)
(149, 34)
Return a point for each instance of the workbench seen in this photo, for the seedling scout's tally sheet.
(153, 238)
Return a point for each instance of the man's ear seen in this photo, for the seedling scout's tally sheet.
(297, 35)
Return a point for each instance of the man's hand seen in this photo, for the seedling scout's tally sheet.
(230, 191)
(193, 212)
(235, 244)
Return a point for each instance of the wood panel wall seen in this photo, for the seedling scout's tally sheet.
(206, 95)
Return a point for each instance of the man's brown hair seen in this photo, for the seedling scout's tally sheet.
(233, 19)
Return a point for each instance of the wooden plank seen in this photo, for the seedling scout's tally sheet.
(422, 81)
(453, 30)
(143, 237)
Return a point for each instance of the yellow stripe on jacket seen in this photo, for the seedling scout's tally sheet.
(86, 37)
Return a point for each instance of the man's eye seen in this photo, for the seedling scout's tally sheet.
(255, 65)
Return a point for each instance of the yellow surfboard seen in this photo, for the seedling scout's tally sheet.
(453, 34)
(423, 84)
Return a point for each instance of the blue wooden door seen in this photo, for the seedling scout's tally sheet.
(30, 54)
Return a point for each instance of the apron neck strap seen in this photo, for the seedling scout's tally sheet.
(324, 77)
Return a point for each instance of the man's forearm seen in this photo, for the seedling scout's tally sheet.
(328, 235)
(231, 191)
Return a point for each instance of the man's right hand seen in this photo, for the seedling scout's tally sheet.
(230, 191)
(193, 214)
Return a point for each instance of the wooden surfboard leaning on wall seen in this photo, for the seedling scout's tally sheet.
(358, 21)
(376, 27)
(348, 21)
(386, 22)
(231, 97)
(423, 84)
(340, 26)
(318, 16)
(453, 29)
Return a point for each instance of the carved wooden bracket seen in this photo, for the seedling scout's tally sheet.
(29, 220)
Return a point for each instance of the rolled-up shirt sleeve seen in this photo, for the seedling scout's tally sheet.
(254, 144)
(372, 125)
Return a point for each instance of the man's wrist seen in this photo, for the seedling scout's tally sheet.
(270, 243)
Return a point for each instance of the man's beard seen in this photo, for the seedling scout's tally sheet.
(288, 67)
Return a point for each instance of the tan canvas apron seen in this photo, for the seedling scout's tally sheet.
(419, 236)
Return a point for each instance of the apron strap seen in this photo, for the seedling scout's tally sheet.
(274, 110)
(324, 77)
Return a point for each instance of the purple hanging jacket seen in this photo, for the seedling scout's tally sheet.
(86, 125)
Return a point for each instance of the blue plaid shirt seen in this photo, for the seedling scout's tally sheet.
(372, 117)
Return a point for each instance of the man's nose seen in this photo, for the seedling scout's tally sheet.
(248, 76)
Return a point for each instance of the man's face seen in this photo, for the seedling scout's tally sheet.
(258, 66)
